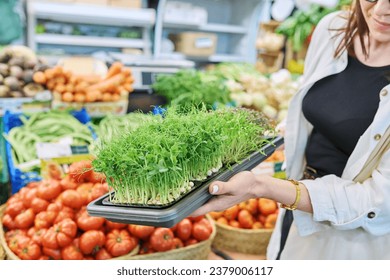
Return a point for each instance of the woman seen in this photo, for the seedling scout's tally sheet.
(334, 123)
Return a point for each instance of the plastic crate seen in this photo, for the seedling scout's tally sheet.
(19, 178)
(4, 178)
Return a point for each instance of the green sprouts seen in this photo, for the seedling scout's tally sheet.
(159, 161)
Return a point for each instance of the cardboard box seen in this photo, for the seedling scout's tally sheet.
(132, 4)
(195, 43)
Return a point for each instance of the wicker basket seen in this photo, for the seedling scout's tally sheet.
(9, 255)
(198, 251)
(247, 241)
(2, 253)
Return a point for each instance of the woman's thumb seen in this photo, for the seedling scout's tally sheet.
(217, 188)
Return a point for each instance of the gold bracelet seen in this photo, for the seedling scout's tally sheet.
(297, 196)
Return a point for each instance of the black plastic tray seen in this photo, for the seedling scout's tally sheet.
(168, 216)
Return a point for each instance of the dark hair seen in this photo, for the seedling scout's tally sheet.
(356, 26)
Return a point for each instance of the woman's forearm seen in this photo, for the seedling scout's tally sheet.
(282, 191)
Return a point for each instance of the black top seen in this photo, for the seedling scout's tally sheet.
(341, 107)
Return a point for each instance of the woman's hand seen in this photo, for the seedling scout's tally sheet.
(240, 187)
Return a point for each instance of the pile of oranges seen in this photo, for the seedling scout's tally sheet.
(255, 213)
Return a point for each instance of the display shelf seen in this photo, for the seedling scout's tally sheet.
(89, 14)
(234, 22)
(73, 40)
(212, 58)
(211, 27)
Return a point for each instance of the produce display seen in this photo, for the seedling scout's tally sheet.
(46, 127)
(71, 87)
(48, 220)
(188, 88)
(17, 67)
(234, 84)
(160, 161)
(249, 88)
(298, 27)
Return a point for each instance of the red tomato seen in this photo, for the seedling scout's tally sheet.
(65, 213)
(49, 189)
(196, 219)
(17, 241)
(190, 242)
(45, 219)
(85, 191)
(52, 254)
(92, 241)
(8, 222)
(27, 194)
(245, 219)
(103, 254)
(140, 231)
(206, 223)
(120, 242)
(98, 190)
(36, 235)
(67, 183)
(72, 199)
(60, 235)
(177, 243)
(87, 222)
(38, 204)
(14, 233)
(25, 219)
(29, 250)
(184, 229)
(200, 232)
(113, 225)
(81, 170)
(72, 251)
(162, 239)
(96, 177)
(14, 208)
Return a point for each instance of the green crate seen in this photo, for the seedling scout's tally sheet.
(4, 177)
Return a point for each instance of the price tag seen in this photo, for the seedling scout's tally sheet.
(53, 150)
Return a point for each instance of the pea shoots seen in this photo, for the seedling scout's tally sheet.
(161, 160)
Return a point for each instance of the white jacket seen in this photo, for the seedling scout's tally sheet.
(349, 220)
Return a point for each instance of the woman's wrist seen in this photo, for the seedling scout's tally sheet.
(263, 186)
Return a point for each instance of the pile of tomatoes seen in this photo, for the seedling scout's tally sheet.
(48, 220)
(256, 213)
(187, 232)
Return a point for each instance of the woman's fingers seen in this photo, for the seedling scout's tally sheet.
(227, 194)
